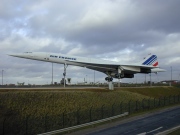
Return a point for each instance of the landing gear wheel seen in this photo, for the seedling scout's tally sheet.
(109, 79)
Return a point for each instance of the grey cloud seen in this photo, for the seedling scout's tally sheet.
(125, 31)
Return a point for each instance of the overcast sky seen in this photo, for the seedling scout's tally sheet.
(119, 30)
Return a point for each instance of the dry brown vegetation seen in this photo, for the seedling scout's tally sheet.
(46, 108)
(41, 101)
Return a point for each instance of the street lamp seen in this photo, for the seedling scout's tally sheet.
(86, 79)
(150, 80)
(52, 73)
(2, 76)
(171, 76)
(94, 77)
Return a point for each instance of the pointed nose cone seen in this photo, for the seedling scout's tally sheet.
(20, 55)
(12, 54)
(15, 54)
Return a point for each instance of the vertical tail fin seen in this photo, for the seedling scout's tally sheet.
(151, 60)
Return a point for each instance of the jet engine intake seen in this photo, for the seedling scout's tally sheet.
(145, 70)
(128, 76)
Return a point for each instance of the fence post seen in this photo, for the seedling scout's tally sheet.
(27, 118)
(102, 112)
(90, 114)
(143, 104)
(77, 116)
(169, 100)
(136, 105)
(112, 112)
(178, 98)
(45, 122)
(121, 107)
(159, 101)
(149, 106)
(154, 102)
(129, 106)
(4, 126)
(63, 119)
(174, 99)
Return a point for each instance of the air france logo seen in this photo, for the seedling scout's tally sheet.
(62, 57)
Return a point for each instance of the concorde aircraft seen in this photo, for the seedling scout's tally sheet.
(110, 68)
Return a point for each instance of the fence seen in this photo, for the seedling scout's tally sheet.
(33, 125)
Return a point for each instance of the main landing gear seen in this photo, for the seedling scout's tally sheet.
(109, 80)
(64, 74)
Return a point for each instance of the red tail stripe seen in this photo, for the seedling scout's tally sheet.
(155, 64)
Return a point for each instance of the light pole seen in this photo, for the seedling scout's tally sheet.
(171, 76)
(94, 77)
(150, 80)
(52, 73)
(2, 76)
(86, 79)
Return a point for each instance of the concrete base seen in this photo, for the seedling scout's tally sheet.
(119, 83)
(111, 86)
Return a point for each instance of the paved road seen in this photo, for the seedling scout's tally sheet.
(149, 125)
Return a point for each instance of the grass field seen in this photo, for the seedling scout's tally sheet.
(45, 109)
(177, 132)
(155, 92)
(54, 102)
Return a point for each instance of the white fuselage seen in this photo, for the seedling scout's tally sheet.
(108, 67)
(63, 58)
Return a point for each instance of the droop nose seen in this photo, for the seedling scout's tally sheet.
(15, 54)
(20, 55)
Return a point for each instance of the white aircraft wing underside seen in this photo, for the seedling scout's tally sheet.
(113, 68)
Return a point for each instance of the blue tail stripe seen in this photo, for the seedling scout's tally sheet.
(144, 63)
(148, 60)
(152, 60)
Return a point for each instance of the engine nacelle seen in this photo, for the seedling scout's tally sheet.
(145, 70)
(128, 76)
